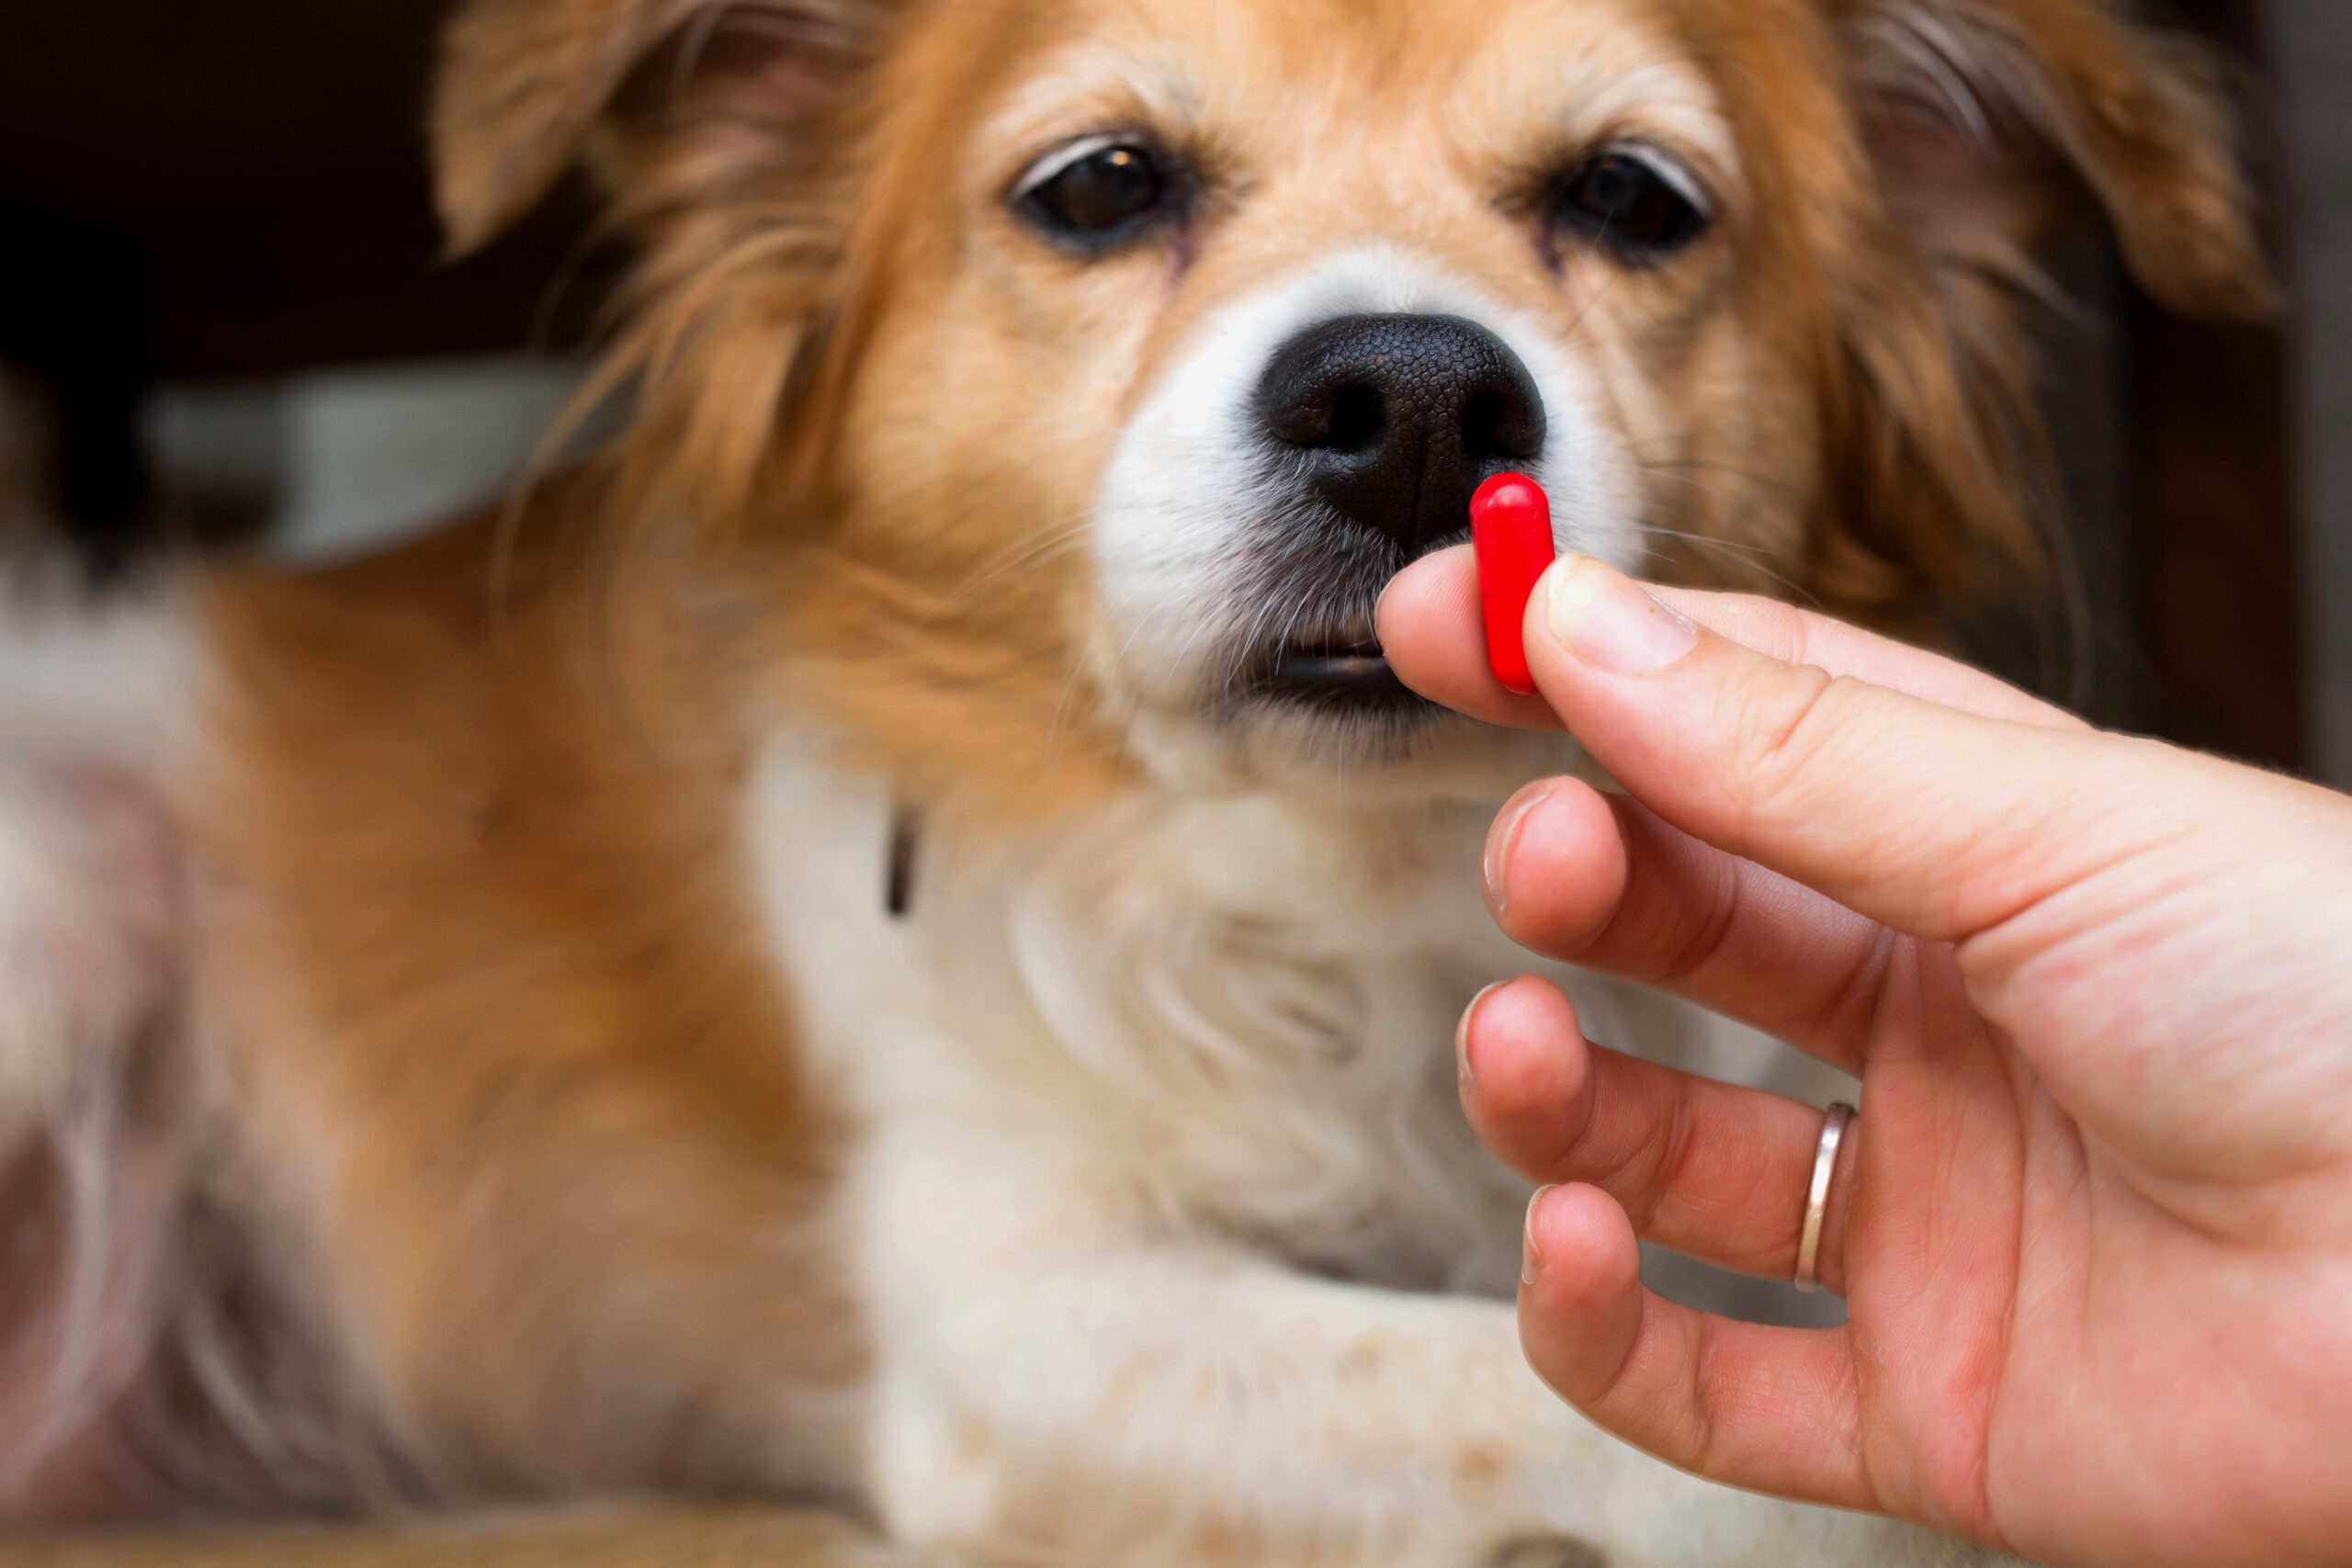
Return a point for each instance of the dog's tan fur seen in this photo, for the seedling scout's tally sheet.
(489, 861)
(508, 1071)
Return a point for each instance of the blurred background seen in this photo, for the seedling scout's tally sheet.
(223, 319)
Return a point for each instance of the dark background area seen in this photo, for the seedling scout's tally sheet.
(220, 190)
(210, 190)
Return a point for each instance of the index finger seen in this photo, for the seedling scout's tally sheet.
(1430, 630)
(1939, 821)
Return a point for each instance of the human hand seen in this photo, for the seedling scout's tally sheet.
(2094, 1225)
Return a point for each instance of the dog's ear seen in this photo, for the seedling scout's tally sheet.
(1988, 126)
(1986, 115)
(522, 83)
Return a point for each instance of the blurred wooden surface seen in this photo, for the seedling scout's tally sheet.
(2311, 42)
(2221, 635)
(736, 1538)
(2218, 511)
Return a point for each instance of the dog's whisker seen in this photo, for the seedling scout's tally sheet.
(1760, 552)
(1675, 467)
(943, 421)
(1753, 557)
(1079, 659)
(1028, 555)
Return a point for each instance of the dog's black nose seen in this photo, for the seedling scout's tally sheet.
(1399, 419)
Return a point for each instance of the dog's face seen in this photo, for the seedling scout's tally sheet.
(1247, 299)
(1126, 348)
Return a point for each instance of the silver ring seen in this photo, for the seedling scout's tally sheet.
(1816, 1197)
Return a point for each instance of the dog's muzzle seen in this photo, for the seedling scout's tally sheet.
(1384, 425)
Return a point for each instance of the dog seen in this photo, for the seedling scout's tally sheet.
(891, 939)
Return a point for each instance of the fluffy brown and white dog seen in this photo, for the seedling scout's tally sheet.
(455, 1036)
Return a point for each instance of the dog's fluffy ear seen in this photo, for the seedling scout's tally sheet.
(1980, 110)
(521, 83)
(1989, 126)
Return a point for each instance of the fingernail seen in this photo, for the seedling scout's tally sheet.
(1605, 620)
(1468, 1079)
(1531, 1254)
(1501, 840)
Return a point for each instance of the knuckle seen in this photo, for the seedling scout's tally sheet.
(1785, 723)
(1572, 1147)
(1668, 1161)
(1700, 942)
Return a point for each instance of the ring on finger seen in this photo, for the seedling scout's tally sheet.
(1833, 1125)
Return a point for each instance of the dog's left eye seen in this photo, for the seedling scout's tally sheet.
(1621, 199)
(1097, 193)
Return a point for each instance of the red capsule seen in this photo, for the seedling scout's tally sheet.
(1510, 523)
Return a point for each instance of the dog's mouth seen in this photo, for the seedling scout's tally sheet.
(1336, 667)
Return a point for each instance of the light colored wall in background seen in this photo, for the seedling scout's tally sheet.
(2311, 43)
(354, 459)
(377, 450)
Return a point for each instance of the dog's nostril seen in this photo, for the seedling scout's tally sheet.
(1393, 421)
(1359, 417)
(1496, 426)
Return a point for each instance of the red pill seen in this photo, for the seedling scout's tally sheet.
(1511, 524)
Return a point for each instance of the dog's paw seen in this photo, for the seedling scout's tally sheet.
(1546, 1552)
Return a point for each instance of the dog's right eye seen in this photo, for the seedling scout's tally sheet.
(1629, 200)
(1096, 193)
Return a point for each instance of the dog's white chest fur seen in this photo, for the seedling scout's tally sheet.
(1159, 1145)
(1227, 1018)
(1233, 1016)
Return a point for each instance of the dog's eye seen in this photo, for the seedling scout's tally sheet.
(1096, 193)
(1623, 199)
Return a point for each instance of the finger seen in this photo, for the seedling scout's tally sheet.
(1769, 1409)
(1796, 636)
(1599, 881)
(1938, 823)
(1713, 1171)
(1431, 628)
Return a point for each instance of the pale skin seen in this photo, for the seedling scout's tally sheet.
(2094, 1226)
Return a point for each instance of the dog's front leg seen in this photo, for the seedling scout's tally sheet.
(1191, 1406)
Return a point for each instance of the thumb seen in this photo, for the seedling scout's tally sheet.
(1937, 822)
